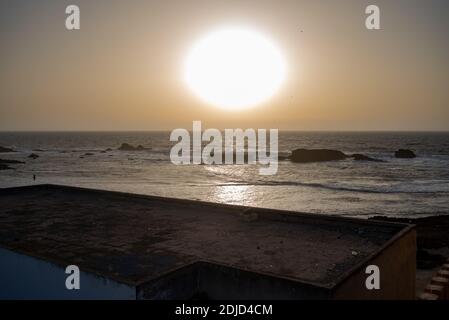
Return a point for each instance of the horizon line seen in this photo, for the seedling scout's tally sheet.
(168, 130)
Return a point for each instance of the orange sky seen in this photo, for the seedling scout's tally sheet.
(123, 69)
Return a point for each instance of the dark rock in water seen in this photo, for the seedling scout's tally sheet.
(362, 157)
(405, 154)
(283, 157)
(4, 164)
(128, 147)
(88, 154)
(316, 155)
(33, 156)
(5, 149)
(2, 161)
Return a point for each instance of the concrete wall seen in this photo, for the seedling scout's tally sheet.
(25, 277)
(180, 284)
(220, 282)
(396, 261)
(205, 280)
(397, 264)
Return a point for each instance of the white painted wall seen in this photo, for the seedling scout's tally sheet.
(25, 277)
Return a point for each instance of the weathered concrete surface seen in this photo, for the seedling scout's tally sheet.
(150, 242)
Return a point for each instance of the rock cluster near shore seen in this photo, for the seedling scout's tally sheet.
(405, 154)
(316, 155)
(2, 161)
(297, 155)
(5, 167)
(4, 164)
(129, 147)
(321, 155)
(5, 149)
(362, 157)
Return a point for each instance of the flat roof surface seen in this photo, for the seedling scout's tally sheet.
(135, 238)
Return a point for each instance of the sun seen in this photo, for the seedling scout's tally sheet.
(234, 68)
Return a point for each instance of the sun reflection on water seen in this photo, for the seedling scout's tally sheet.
(234, 194)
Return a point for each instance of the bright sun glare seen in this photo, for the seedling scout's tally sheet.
(234, 68)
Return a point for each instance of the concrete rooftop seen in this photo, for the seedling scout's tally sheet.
(133, 238)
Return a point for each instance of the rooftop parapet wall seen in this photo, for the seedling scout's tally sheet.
(145, 241)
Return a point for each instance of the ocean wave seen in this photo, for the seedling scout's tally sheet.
(334, 187)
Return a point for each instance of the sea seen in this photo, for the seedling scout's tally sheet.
(412, 188)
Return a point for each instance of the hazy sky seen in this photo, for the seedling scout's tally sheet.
(123, 69)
